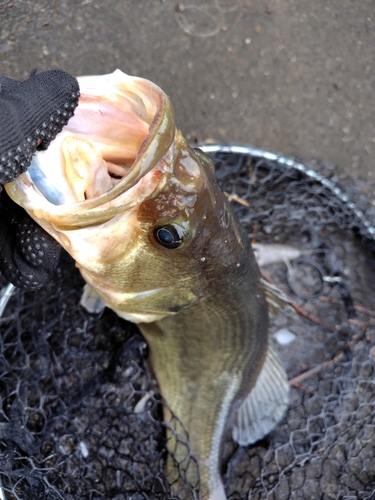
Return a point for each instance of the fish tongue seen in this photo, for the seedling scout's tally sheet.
(85, 168)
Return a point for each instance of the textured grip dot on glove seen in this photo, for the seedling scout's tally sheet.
(37, 108)
(28, 255)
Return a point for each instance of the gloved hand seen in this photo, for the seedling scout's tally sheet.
(32, 113)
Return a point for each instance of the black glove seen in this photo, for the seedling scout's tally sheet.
(32, 113)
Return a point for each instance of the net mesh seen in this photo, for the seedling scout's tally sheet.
(80, 412)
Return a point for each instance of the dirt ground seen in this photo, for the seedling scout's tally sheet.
(290, 76)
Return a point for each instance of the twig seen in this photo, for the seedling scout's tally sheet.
(357, 308)
(362, 326)
(299, 378)
(235, 197)
(312, 318)
(298, 308)
(302, 388)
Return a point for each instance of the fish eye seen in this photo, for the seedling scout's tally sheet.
(168, 236)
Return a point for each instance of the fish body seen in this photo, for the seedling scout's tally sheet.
(152, 234)
(204, 380)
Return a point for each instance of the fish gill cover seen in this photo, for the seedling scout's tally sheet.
(81, 416)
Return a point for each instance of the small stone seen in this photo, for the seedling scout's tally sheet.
(284, 337)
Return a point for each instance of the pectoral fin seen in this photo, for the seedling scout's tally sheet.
(266, 404)
(91, 301)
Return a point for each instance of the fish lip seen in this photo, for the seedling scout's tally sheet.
(153, 148)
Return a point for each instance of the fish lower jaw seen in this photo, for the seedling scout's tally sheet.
(124, 304)
(139, 318)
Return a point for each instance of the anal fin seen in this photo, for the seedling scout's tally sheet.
(266, 404)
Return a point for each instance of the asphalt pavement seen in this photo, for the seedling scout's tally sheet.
(291, 76)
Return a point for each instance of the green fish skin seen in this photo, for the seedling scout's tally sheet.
(157, 241)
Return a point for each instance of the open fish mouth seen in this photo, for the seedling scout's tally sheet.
(122, 127)
(116, 176)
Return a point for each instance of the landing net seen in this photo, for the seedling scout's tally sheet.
(80, 412)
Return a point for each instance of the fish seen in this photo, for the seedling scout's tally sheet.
(155, 238)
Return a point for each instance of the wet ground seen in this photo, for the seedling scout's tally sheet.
(292, 76)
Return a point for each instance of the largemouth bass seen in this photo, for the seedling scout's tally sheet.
(152, 234)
